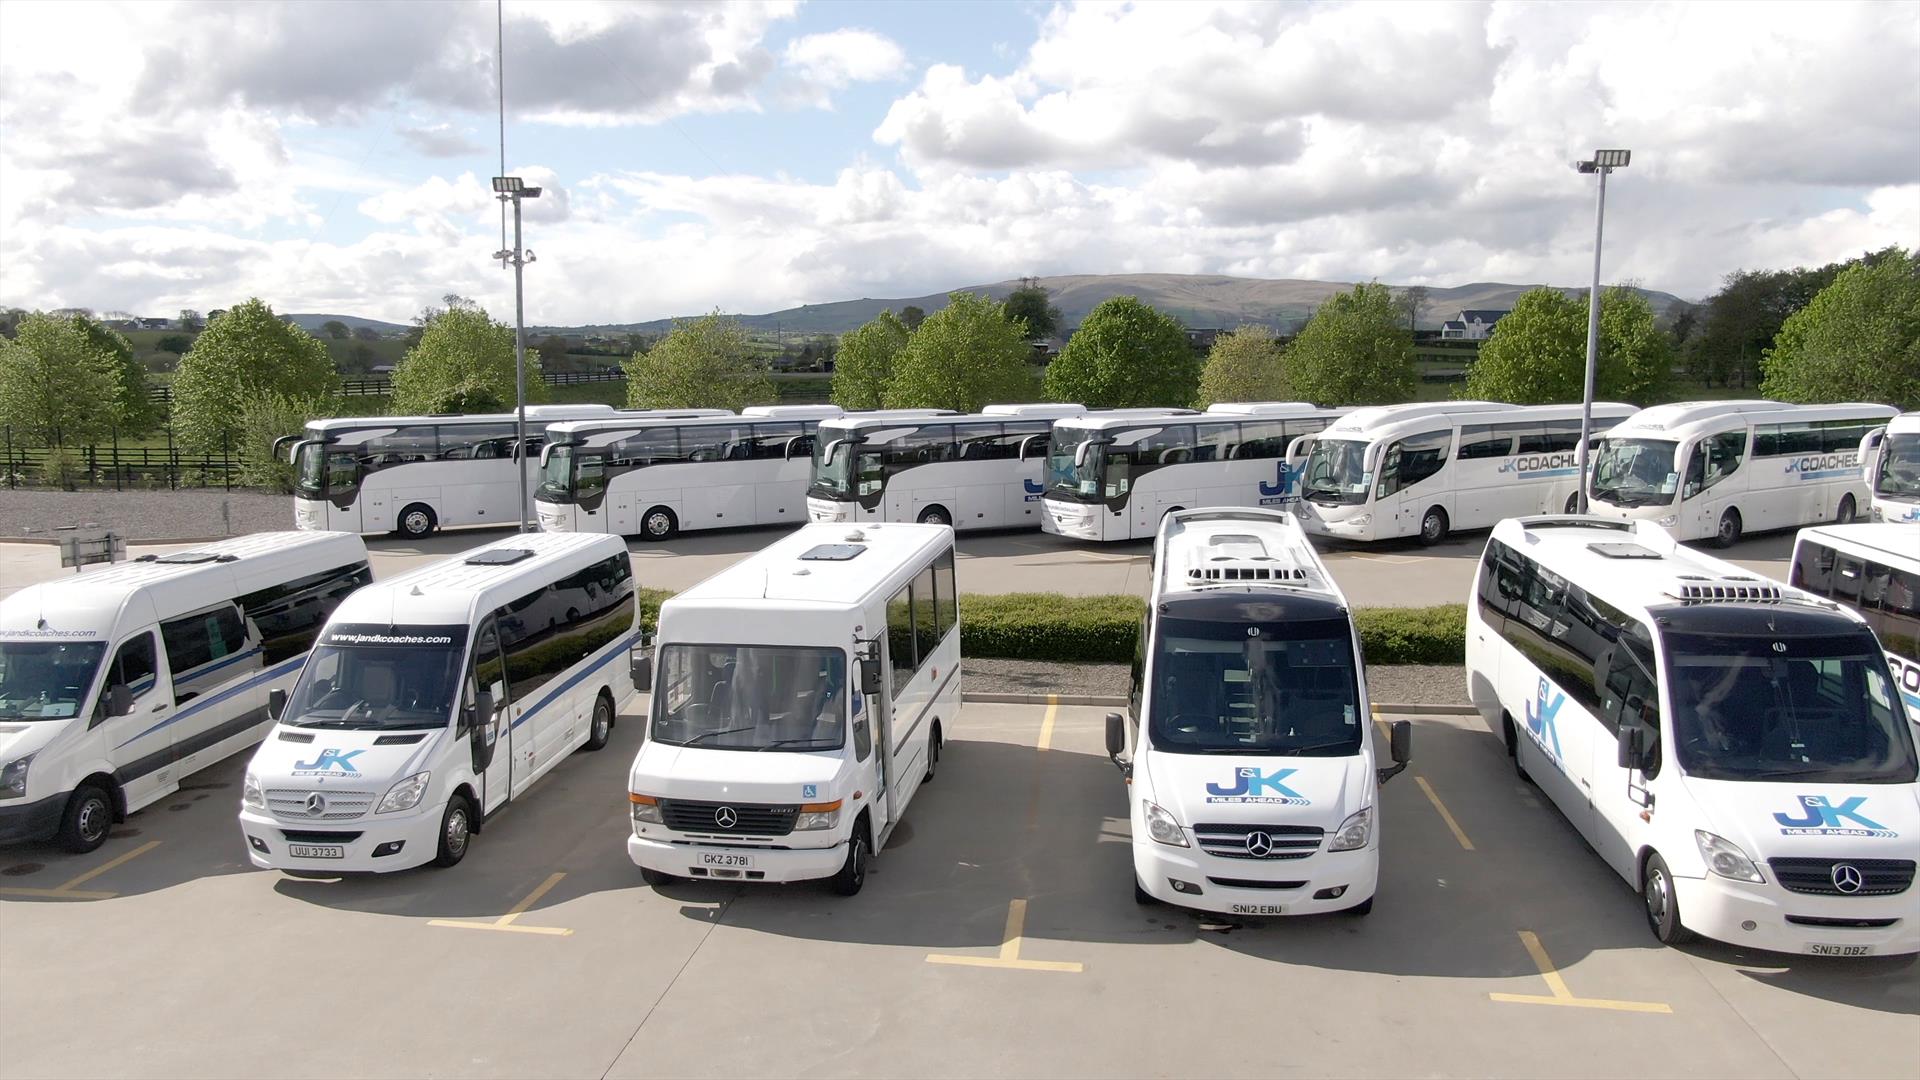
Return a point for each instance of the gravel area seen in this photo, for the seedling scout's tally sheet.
(1400, 684)
(145, 515)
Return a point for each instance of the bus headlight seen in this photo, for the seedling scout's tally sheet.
(1668, 522)
(405, 795)
(1353, 832)
(1161, 825)
(250, 793)
(646, 809)
(818, 815)
(13, 778)
(1360, 522)
(1725, 858)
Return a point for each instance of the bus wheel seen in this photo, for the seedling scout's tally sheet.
(1573, 503)
(601, 727)
(659, 524)
(1729, 531)
(1663, 907)
(933, 753)
(1512, 734)
(935, 515)
(1845, 516)
(1433, 526)
(456, 829)
(89, 815)
(853, 872)
(417, 521)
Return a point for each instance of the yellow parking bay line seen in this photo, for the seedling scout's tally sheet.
(1046, 725)
(1009, 949)
(505, 922)
(1560, 995)
(1434, 798)
(71, 890)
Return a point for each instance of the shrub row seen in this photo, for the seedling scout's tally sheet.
(1056, 628)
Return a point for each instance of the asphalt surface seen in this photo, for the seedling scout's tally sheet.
(168, 956)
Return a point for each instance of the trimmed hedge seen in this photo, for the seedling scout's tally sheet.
(1067, 629)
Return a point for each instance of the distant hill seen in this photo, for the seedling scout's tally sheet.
(313, 323)
(1198, 300)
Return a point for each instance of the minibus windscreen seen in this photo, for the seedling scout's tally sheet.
(751, 697)
(1899, 466)
(1066, 475)
(378, 678)
(1635, 472)
(46, 679)
(1233, 687)
(1761, 707)
(833, 479)
(1336, 473)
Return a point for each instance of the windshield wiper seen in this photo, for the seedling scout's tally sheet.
(1296, 751)
(716, 734)
(830, 743)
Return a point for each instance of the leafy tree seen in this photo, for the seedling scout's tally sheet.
(177, 344)
(1355, 350)
(365, 333)
(463, 363)
(912, 316)
(1028, 304)
(1538, 353)
(132, 409)
(56, 383)
(553, 352)
(244, 353)
(335, 330)
(10, 320)
(1412, 299)
(1243, 366)
(359, 359)
(191, 322)
(865, 362)
(264, 419)
(1857, 340)
(964, 356)
(211, 315)
(705, 363)
(1125, 354)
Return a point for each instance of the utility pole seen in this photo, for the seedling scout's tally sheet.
(513, 189)
(1604, 162)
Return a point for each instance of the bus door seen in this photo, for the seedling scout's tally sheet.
(489, 737)
(873, 733)
(343, 493)
(1704, 492)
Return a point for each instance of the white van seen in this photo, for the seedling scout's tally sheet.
(1890, 460)
(1713, 470)
(1873, 568)
(803, 698)
(1733, 748)
(435, 697)
(116, 685)
(1250, 756)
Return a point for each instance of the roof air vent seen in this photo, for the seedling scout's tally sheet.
(1694, 589)
(499, 556)
(832, 552)
(1623, 551)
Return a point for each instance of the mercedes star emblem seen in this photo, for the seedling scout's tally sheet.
(316, 804)
(1259, 845)
(725, 817)
(1846, 878)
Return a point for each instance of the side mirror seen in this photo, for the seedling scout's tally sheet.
(1116, 735)
(119, 700)
(1631, 746)
(870, 683)
(786, 452)
(276, 704)
(832, 451)
(1031, 444)
(1080, 455)
(1400, 741)
(641, 661)
(483, 714)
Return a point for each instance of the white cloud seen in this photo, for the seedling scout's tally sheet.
(840, 58)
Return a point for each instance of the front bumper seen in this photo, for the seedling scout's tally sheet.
(769, 864)
(1360, 528)
(1079, 521)
(553, 518)
(1291, 883)
(417, 832)
(829, 511)
(1720, 908)
(37, 820)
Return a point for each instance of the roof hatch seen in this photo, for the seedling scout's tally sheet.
(832, 552)
(499, 556)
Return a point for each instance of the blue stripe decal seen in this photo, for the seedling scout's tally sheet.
(578, 678)
(207, 702)
(1825, 474)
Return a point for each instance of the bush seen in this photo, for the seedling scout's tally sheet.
(650, 601)
(1430, 635)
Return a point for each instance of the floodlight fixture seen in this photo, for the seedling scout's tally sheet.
(508, 185)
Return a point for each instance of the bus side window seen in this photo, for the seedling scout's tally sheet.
(1813, 569)
(1413, 459)
(1137, 674)
(1632, 698)
(1847, 578)
(1714, 459)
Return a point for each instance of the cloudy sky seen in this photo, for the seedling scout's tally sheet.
(335, 156)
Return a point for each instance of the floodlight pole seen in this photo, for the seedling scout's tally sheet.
(513, 189)
(1603, 163)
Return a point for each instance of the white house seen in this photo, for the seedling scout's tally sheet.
(1471, 325)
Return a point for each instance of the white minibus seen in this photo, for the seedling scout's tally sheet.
(416, 474)
(1875, 570)
(979, 471)
(661, 476)
(1890, 458)
(1114, 475)
(1732, 747)
(118, 684)
(803, 697)
(1429, 468)
(1748, 466)
(434, 698)
(1250, 755)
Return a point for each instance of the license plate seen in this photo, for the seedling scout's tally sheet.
(1259, 909)
(317, 851)
(1839, 950)
(726, 860)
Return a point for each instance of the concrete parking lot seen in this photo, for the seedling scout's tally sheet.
(1499, 947)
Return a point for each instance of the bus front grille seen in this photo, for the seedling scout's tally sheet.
(728, 819)
(1843, 877)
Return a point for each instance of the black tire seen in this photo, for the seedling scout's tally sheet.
(1363, 908)
(1573, 503)
(600, 727)
(1512, 731)
(417, 522)
(1433, 526)
(935, 515)
(853, 872)
(659, 523)
(88, 819)
(1141, 896)
(1729, 532)
(1847, 511)
(933, 754)
(656, 878)
(1662, 905)
(456, 832)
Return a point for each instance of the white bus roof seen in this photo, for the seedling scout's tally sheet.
(792, 412)
(1035, 412)
(1684, 418)
(1907, 423)
(1111, 419)
(543, 413)
(1270, 408)
(179, 582)
(455, 590)
(571, 429)
(1380, 421)
(1241, 547)
(1898, 540)
(870, 421)
(850, 565)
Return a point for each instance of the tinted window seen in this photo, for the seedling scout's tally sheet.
(1214, 442)
(462, 442)
(921, 446)
(1482, 441)
(651, 446)
(289, 616)
(768, 442)
(713, 442)
(203, 638)
(135, 666)
(1265, 439)
(947, 596)
(1799, 439)
(403, 446)
(1766, 440)
(550, 629)
(981, 442)
(1413, 459)
(1558, 435)
(926, 627)
(900, 641)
